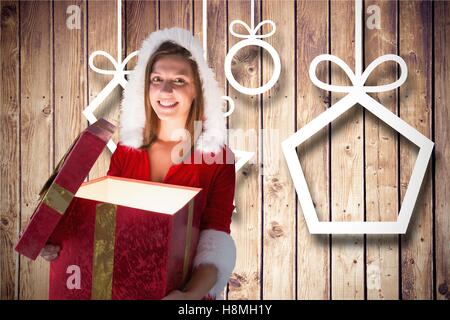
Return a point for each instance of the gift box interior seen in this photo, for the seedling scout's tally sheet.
(150, 196)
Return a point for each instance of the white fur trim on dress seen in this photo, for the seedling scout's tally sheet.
(132, 117)
(216, 248)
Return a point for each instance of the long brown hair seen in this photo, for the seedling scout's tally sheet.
(197, 108)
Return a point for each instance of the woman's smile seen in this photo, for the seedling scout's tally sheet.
(167, 103)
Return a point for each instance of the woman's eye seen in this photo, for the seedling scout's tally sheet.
(179, 81)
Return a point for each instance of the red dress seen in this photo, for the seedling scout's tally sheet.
(217, 181)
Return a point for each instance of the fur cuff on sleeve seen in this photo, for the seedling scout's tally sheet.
(216, 248)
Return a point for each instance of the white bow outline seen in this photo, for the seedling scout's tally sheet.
(358, 81)
(252, 30)
(119, 72)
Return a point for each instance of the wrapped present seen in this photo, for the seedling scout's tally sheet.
(58, 192)
(125, 239)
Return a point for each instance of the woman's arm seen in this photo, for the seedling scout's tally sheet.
(202, 280)
(216, 251)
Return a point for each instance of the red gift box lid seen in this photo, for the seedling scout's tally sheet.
(60, 188)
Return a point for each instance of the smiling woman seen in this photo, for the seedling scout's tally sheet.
(171, 92)
(171, 86)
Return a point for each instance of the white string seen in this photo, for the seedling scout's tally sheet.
(119, 31)
(118, 73)
(253, 14)
(358, 78)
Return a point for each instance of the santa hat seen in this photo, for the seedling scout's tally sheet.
(132, 117)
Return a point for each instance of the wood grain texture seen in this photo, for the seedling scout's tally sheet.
(416, 109)
(442, 147)
(245, 282)
(102, 35)
(381, 165)
(141, 19)
(356, 168)
(313, 251)
(347, 278)
(70, 85)
(278, 123)
(10, 146)
(36, 141)
(216, 37)
(176, 13)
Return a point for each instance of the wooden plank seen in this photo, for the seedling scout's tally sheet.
(216, 36)
(278, 123)
(102, 35)
(245, 281)
(346, 164)
(70, 85)
(176, 13)
(313, 263)
(36, 119)
(9, 144)
(142, 19)
(415, 108)
(216, 41)
(381, 166)
(442, 147)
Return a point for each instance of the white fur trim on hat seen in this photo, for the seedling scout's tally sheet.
(132, 116)
(216, 248)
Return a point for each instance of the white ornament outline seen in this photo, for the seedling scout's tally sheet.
(357, 94)
(252, 39)
(118, 74)
(242, 156)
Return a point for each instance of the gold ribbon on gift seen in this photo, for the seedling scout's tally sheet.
(103, 261)
(54, 195)
(57, 198)
(187, 247)
(104, 238)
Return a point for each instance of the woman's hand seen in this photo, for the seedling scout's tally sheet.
(178, 295)
(50, 252)
(202, 280)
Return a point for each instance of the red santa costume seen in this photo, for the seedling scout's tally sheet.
(217, 179)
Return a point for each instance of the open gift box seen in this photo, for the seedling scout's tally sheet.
(119, 238)
(59, 189)
(125, 239)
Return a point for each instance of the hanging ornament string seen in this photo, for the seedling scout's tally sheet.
(119, 71)
(118, 74)
(252, 38)
(242, 156)
(205, 54)
(357, 93)
(358, 78)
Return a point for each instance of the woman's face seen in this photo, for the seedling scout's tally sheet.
(172, 88)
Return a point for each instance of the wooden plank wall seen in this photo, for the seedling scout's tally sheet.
(381, 142)
(357, 168)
